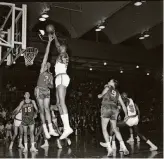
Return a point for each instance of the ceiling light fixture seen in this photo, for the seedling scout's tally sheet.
(101, 27)
(146, 35)
(90, 69)
(14, 62)
(42, 32)
(21, 54)
(45, 15)
(97, 29)
(138, 3)
(42, 19)
(121, 71)
(148, 74)
(142, 37)
(105, 63)
(137, 66)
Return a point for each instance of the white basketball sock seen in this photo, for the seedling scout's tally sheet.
(65, 120)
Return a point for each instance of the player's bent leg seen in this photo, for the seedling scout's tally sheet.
(65, 118)
(41, 109)
(118, 136)
(136, 133)
(104, 124)
(114, 142)
(68, 141)
(111, 134)
(14, 136)
(152, 146)
(48, 117)
(131, 139)
(32, 149)
(25, 138)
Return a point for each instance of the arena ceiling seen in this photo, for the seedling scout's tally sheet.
(124, 23)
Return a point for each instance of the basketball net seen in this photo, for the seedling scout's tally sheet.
(29, 55)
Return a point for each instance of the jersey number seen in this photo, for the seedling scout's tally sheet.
(131, 108)
(28, 109)
(46, 78)
(113, 93)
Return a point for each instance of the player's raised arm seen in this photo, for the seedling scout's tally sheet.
(56, 42)
(46, 53)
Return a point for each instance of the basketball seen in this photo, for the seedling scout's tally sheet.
(50, 28)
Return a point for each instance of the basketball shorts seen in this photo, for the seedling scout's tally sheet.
(62, 79)
(109, 111)
(42, 93)
(27, 121)
(17, 123)
(131, 121)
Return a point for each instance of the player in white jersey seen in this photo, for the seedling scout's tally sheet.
(17, 125)
(133, 120)
(62, 81)
(8, 129)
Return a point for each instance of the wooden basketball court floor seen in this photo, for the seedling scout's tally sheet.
(84, 146)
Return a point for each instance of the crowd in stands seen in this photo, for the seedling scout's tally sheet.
(84, 107)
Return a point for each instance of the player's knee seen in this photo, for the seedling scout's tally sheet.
(47, 109)
(115, 129)
(31, 133)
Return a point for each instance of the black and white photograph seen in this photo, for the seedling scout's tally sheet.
(81, 79)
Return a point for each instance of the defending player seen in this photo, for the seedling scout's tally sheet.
(42, 92)
(62, 81)
(17, 125)
(8, 129)
(109, 112)
(29, 111)
(133, 119)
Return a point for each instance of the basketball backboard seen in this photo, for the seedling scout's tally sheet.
(12, 31)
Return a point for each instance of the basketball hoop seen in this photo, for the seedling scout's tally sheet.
(29, 55)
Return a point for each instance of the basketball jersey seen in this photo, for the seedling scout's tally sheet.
(111, 97)
(28, 110)
(44, 80)
(131, 108)
(61, 63)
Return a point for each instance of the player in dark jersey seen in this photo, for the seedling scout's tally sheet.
(109, 112)
(29, 112)
(42, 92)
(62, 81)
